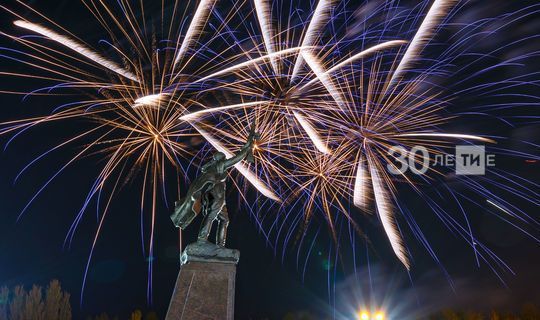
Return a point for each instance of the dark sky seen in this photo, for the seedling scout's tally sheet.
(267, 285)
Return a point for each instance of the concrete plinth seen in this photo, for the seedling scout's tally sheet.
(204, 290)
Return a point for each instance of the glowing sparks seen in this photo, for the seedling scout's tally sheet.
(367, 52)
(153, 100)
(498, 206)
(195, 28)
(193, 116)
(319, 19)
(325, 79)
(438, 11)
(264, 15)
(251, 62)
(360, 195)
(256, 182)
(77, 47)
(384, 210)
(312, 133)
(360, 55)
(447, 135)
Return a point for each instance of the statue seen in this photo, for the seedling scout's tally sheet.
(206, 195)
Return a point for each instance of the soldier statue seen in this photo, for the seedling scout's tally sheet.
(206, 194)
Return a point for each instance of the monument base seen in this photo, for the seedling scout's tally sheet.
(205, 251)
(204, 290)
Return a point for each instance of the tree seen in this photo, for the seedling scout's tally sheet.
(494, 315)
(530, 312)
(65, 307)
(298, 316)
(57, 304)
(4, 299)
(151, 316)
(450, 315)
(33, 306)
(136, 315)
(102, 316)
(53, 298)
(16, 306)
(473, 316)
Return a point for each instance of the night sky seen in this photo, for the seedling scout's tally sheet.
(268, 284)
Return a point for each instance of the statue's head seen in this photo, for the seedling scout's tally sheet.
(219, 156)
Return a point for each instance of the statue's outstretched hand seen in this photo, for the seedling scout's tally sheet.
(253, 134)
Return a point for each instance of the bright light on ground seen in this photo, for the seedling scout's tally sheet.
(364, 315)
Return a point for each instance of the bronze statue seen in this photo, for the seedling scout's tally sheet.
(207, 195)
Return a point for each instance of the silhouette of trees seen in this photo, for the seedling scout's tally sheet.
(57, 305)
(494, 315)
(151, 316)
(136, 315)
(103, 316)
(4, 296)
(528, 312)
(53, 303)
(34, 308)
(299, 316)
(450, 315)
(19, 304)
(16, 306)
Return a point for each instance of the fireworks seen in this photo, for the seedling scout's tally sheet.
(329, 103)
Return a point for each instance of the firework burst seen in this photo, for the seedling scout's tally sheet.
(328, 101)
(137, 92)
(343, 113)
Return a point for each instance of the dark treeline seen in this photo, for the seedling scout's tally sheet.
(51, 303)
(528, 312)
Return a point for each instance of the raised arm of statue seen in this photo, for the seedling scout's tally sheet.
(246, 151)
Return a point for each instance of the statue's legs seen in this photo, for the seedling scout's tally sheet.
(207, 226)
(214, 210)
(223, 223)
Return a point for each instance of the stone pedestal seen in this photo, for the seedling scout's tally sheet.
(204, 290)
